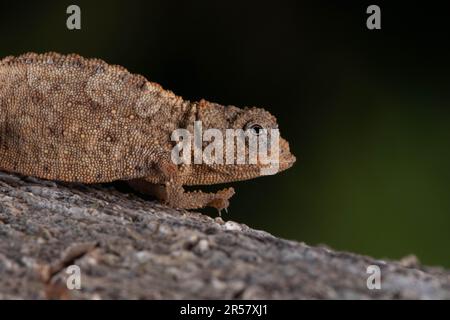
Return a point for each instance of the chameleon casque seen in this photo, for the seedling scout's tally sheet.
(67, 118)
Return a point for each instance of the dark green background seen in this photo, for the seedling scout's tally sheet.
(366, 112)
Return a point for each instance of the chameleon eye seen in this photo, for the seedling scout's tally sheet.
(255, 128)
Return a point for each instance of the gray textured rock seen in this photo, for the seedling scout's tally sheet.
(132, 248)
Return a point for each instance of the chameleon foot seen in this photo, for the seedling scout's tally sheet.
(177, 197)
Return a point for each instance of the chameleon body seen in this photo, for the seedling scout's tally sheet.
(67, 118)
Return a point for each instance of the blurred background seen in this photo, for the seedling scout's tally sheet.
(366, 112)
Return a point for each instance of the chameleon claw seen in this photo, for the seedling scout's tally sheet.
(220, 211)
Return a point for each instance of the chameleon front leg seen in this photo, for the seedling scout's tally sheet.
(172, 192)
(175, 196)
(178, 197)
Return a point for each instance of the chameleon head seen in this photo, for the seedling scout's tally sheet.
(251, 145)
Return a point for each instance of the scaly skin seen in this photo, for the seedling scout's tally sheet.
(67, 118)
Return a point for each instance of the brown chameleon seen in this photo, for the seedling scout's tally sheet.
(67, 118)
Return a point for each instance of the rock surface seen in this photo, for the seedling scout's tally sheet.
(130, 248)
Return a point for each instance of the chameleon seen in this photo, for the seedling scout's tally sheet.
(74, 119)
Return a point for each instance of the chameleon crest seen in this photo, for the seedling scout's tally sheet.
(67, 118)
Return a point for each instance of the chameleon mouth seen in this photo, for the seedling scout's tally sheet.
(287, 159)
(287, 162)
(283, 164)
(284, 161)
